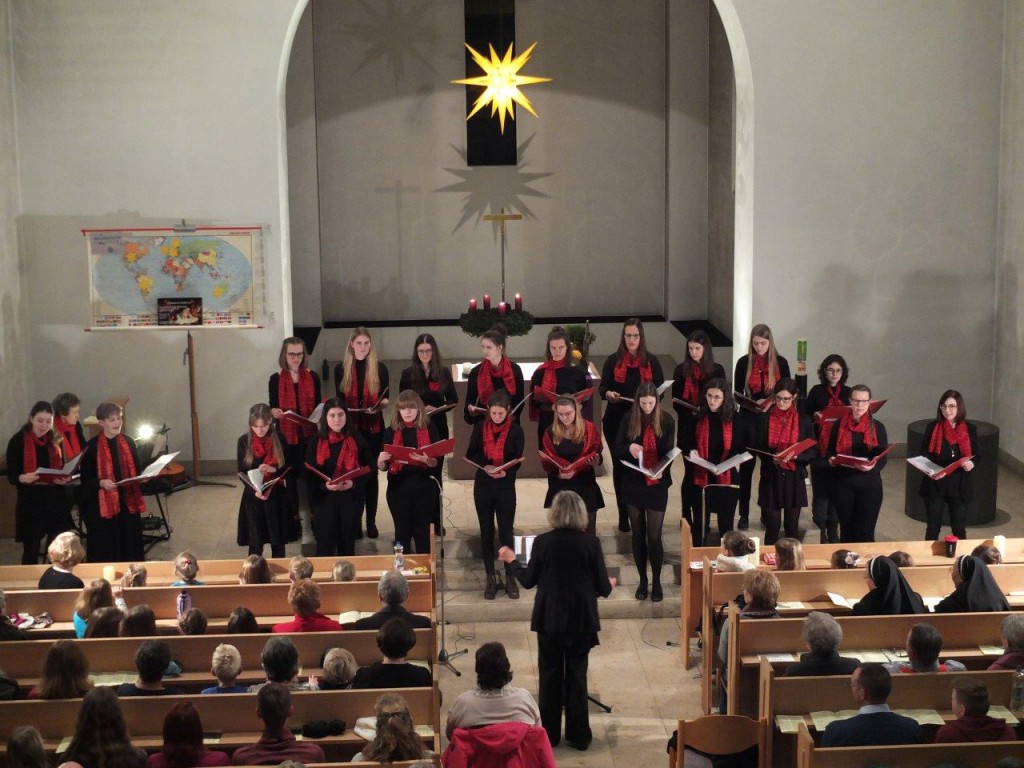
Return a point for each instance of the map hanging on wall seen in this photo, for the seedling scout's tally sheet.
(130, 271)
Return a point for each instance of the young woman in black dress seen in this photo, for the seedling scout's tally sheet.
(569, 439)
(948, 439)
(622, 373)
(496, 441)
(360, 381)
(756, 375)
(412, 494)
(782, 491)
(113, 513)
(67, 422)
(557, 375)
(42, 509)
(496, 372)
(688, 381)
(337, 506)
(832, 390)
(650, 431)
(294, 388)
(717, 436)
(263, 517)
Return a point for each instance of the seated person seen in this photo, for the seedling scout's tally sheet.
(7, 629)
(65, 552)
(970, 705)
(194, 622)
(822, 634)
(304, 596)
(901, 558)
(396, 737)
(273, 707)
(736, 545)
(395, 639)
(1013, 643)
(183, 741)
(65, 673)
(760, 594)
(493, 700)
(104, 622)
(923, 646)
(339, 668)
(876, 724)
(975, 590)
(988, 555)
(226, 666)
(186, 568)
(134, 576)
(300, 567)
(152, 659)
(393, 590)
(255, 570)
(140, 621)
(789, 555)
(280, 660)
(242, 622)
(344, 571)
(889, 594)
(843, 559)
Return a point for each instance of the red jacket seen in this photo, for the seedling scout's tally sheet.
(504, 745)
(974, 728)
(315, 623)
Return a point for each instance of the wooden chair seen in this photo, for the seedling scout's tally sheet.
(720, 735)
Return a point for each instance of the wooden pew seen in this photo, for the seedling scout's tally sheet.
(23, 660)
(269, 602)
(983, 753)
(749, 639)
(233, 715)
(799, 696)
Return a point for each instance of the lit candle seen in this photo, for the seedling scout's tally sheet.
(999, 542)
(472, 305)
(502, 307)
(519, 303)
(487, 301)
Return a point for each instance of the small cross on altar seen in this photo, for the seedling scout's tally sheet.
(502, 218)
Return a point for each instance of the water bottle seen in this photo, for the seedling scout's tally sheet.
(184, 603)
(399, 556)
(1017, 694)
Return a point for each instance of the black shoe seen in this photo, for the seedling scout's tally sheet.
(371, 530)
(491, 589)
(511, 587)
(743, 524)
(359, 533)
(624, 524)
(641, 591)
(656, 595)
(582, 746)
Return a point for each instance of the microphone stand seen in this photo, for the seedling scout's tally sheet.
(443, 657)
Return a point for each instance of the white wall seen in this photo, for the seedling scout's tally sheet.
(136, 112)
(876, 129)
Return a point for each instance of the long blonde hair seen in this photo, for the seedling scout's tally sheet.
(577, 432)
(636, 415)
(348, 364)
(764, 332)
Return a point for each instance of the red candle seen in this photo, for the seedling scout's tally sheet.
(472, 305)
(502, 307)
(487, 301)
(519, 303)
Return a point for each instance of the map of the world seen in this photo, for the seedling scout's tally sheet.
(133, 270)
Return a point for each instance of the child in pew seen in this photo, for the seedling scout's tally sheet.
(736, 545)
(151, 660)
(134, 576)
(140, 621)
(970, 705)
(395, 737)
(65, 552)
(242, 622)
(25, 749)
(789, 555)
(988, 555)
(226, 667)
(339, 668)
(280, 660)
(255, 570)
(65, 673)
(300, 568)
(186, 568)
(183, 741)
(344, 571)
(194, 622)
(101, 734)
(901, 558)
(843, 559)
(104, 622)
(97, 594)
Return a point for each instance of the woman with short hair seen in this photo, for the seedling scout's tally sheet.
(948, 439)
(65, 552)
(494, 700)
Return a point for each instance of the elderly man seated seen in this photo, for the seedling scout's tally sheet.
(393, 589)
(822, 634)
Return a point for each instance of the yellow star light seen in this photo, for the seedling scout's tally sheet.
(501, 81)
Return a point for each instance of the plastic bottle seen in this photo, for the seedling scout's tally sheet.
(184, 603)
(399, 556)
(1017, 693)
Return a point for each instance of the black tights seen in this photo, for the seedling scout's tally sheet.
(773, 520)
(646, 525)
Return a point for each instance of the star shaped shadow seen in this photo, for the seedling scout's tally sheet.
(490, 188)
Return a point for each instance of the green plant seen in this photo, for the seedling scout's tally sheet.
(478, 321)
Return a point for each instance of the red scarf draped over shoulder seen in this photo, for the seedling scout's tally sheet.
(591, 444)
(422, 440)
(286, 401)
(72, 446)
(783, 431)
(263, 450)
(485, 384)
(495, 436)
(31, 459)
(549, 381)
(847, 427)
(834, 394)
(632, 361)
(701, 475)
(650, 446)
(693, 383)
(757, 381)
(110, 501)
(371, 423)
(957, 436)
(348, 456)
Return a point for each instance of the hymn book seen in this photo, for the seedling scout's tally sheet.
(654, 472)
(371, 408)
(305, 421)
(47, 475)
(431, 410)
(790, 453)
(933, 470)
(403, 454)
(352, 474)
(683, 404)
(552, 397)
(661, 390)
(552, 462)
(151, 471)
(719, 469)
(757, 406)
(254, 478)
(501, 468)
(858, 462)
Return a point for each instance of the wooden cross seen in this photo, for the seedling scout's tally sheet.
(501, 218)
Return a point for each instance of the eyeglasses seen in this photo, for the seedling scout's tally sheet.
(293, 354)
(833, 370)
(859, 402)
(781, 399)
(631, 335)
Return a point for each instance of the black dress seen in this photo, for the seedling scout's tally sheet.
(262, 522)
(858, 494)
(473, 392)
(336, 513)
(42, 509)
(370, 425)
(583, 481)
(635, 489)
(412, 495)
(568, 381)
(117, 539)
(782, 489)
(436, 394)
(495, 497)
(823, 505)
(294, 456)
(714, 498)
(955, 490)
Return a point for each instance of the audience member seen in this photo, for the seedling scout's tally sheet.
(255, 570)
(96, 595)
(494, 700)
(344, 571)
(304, 596)
(843, 559)
(393, 590)
(280, 660)
(902, 559)
(186, 568)
(970, 705)
(339, 669)
(25, 749)
(7, 629)
(789, 555)
(226, 666)
(396, 737)
(889, 593)
(760, 594)
(101, 737)
(134, 576)
(988, 555)
(193, 622)
(300, 568)
(395, 639)
(183, 741)
(65, 673)
(924, 643)
(242, 622)
(104, 622)
(1013, 643)
(975, 590)
(822, 635)
(875, 724)
(273, 707)
(151, 660)
(65, 552)
(736, 545)
(140, 621)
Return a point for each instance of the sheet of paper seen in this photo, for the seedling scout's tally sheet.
(839, 600)
(992, 650)
(794, 605)
(923, 716)
(777, 657)
(824, 718)
(868, 656)
(788, 723)
(425, 731)
(1002, 713)
(64, 744)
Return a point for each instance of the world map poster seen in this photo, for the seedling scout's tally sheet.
(131, 270)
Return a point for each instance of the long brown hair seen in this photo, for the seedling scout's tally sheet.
(707, 360)
(65, 672)
(396, 737)
(348, 364)
(183, 736)
(97, 594)
(579, 426)
(101, 734)
(261, 412)
(764, 332)
(282, 357)
(641, 351)
(44, 407)
(419, 378)
(408, 399)
(728, 408)
(636, 415)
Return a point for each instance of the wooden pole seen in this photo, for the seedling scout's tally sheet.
(190, 352)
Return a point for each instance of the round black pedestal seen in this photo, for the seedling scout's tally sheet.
(985, 475)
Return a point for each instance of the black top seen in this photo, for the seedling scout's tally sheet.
(272, 389)
(435, 393)
(716, 443)
(409, 471)
(472, 392)
(855, 477)
(568, 381)
(684, 416)
(317, 485)
(614, 412)
(957, 483)
(568, 569)
(818, 398)
(364, 422)
(381, 675)
(54, 579)
(740, 384)
(635, 489)
(892, 594)
(514, 446)
(818, 664)
(391, 612)
(10, 632)
(33, 498)
(802, 460)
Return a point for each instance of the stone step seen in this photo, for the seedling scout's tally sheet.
(469, 574)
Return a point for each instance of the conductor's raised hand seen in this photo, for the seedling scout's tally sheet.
(506, 555)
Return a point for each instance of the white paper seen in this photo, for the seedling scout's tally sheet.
(524, 546)
(924, 464)
(719, 469)
(839, 600)
(153, 469)
(67, 469)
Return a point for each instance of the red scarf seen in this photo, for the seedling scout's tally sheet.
(783, 431)
(72, 447)
(700, 475)
(485, 383)
(591, 444)
(291, 431)
(422, 440)
(366, 422)
(31, 461)
(952, 436)
(348, 456)
(834, 394)
(757, 381)
(632, 361)
(494, 440)
(549, 381)
(693, 383)
(110, 501)
(263, 450)
(650, 446)
(866, 427)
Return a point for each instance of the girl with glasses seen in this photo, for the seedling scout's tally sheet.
(832, 390)
(946, 440)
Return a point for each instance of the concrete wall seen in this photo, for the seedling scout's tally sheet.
(721, 176)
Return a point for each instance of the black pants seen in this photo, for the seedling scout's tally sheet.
(336, 522)
(117, 540)
(618, 471)
(645, 532)
(267, 524)
(858, 507)
(562, 665)
(746, 475)
(371, 488)
(413, 503)
(823, 506)
(935, 505)
(717, 500)
(494, 501)
(773, 521)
